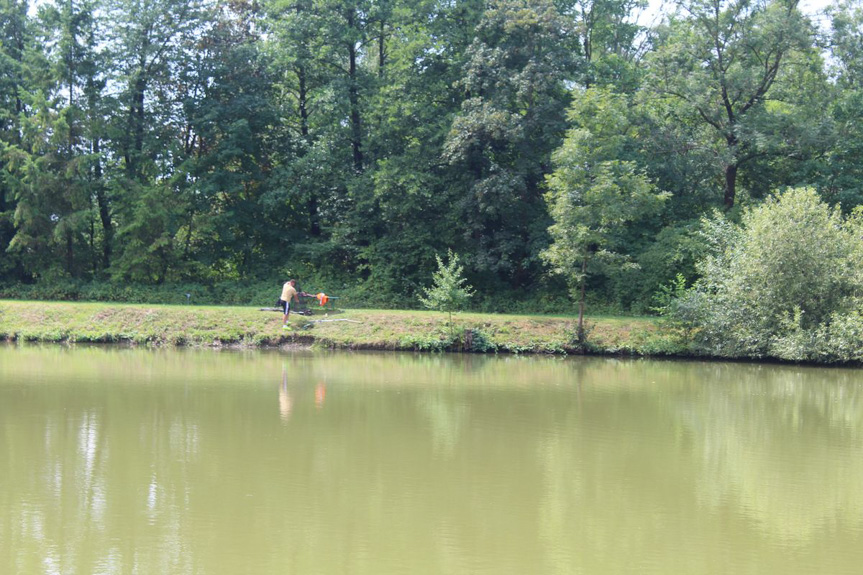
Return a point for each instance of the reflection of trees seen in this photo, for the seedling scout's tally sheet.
(769, 454)
(445, 417)
(785, 445)
(129, 460)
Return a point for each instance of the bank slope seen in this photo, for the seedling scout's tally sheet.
(159, 325)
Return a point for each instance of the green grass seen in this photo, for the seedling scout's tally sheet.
(166, 325)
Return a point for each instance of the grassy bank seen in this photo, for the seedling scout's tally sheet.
(349, 329)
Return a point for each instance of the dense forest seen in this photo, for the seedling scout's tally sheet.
(558, 147)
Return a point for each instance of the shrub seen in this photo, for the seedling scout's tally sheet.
(474, 339)
(775, 284)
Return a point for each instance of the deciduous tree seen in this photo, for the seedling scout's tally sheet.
(720, 59)
(593, 192)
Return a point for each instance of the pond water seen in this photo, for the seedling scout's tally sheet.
(118, 460)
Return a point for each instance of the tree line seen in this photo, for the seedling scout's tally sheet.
(353, 141)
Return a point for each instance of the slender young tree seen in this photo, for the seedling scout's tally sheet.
(594, 192)
(449, 291)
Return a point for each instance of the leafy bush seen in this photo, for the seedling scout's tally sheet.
(783, 283)
(672, 255)
(473, 339)
(434, 341)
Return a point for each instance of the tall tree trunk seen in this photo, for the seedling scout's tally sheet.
(138, 122)
(70, 254)
(70, 64)
(104, 207)
(303, 102)
(19, 81)
(730, 185)
(303, 95)
(314, 219)
(382, 50)
(354, 97)
(303, 106)
(187, 249)
(731, 168)
(135, 128)
(94, 266)
(93, 91)
(579, 334)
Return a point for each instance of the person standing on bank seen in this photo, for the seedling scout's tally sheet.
(289, 292)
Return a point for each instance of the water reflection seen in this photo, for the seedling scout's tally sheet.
(115, 461)
(285, 401)
(320, 394)
(300, 389)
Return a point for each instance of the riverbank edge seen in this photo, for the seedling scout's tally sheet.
(374, 330)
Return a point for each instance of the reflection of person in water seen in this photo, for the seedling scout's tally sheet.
(320, 394)
(285, 402)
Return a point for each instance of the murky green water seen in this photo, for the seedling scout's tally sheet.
(202, 462)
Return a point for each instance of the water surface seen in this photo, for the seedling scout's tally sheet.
(201, 462)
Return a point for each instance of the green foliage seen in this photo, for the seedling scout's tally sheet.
(593, 193)
(659, 258)
(448, 292)
(669, 295)
(464, 339)
(775, 284)
(476, 340)
(434, 342)
(238, 293)
(508, 124)
(718, 63)
(578, 336)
